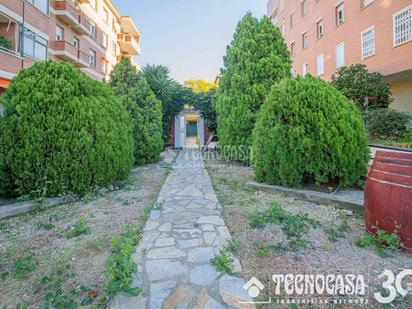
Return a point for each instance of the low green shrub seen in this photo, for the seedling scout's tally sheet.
(62, 133)
(307, 131)
(406, 138)
(386, 121)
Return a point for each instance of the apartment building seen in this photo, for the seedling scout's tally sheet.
(91, 34)
(324, 35)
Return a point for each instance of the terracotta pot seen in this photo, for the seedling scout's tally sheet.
(388, 195)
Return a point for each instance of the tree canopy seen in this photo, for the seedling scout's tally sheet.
(364, 88)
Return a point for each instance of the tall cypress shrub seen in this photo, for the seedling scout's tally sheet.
(144, 110)
(255, 60)
(62, 132)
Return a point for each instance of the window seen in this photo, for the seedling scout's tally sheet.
(291, 20)
(282, 29)
(292, 49)
(303, 7)
(114, 48)
(104, 40)
(319, 29)
(366, 2)
(34, 46)
(305, 41)
(282, 4)
(76, 42)
(106, 16)
(340, 14)
(368, 42)
(93, 29)
(114, 26)
(92, 58)
(59, 33)
(340, 55)
(402, 26)
(304, 69)
(320, 65)
(42, 5)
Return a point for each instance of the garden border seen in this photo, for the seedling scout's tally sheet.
(14, 209)
(311, 196)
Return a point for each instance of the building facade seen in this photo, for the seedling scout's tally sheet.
(324, 35)
(91, 34)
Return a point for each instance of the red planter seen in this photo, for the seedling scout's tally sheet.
(388, 195)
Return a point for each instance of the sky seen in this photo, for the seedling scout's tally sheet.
(187, 36)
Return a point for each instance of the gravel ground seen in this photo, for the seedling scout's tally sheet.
(322, 256)
(42, 235)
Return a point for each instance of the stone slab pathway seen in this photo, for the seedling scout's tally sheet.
(179, 239)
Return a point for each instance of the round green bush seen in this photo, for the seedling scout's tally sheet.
(307, 131)
(386, 121)
(62, 133)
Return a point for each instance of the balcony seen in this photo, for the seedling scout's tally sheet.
(128, 44)
(10, 62)
(83, 25)
(272, 6)
(66, 11)
(67, 52)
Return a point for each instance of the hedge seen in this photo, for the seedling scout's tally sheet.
(62, 133)
(386, 121)
(308, 131)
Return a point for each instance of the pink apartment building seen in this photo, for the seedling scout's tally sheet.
(324, 35)
(91, 34)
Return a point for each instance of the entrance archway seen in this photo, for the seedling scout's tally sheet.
(188, 129)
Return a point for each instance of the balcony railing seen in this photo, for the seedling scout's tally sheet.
(83, 25)
(66, 11)
(272, 5)
(128, 44)
(67, 52)
(11, 61)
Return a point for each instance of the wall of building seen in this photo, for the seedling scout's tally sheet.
(402, 94)
(387, 59)
(43, 23)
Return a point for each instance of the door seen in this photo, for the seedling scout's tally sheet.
(182, 127)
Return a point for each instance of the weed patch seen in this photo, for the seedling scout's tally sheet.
(335, 234)
(294, 226)
(222, 262)
(120, 266)
(24, 266)
(79, 229)
(385, 244)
